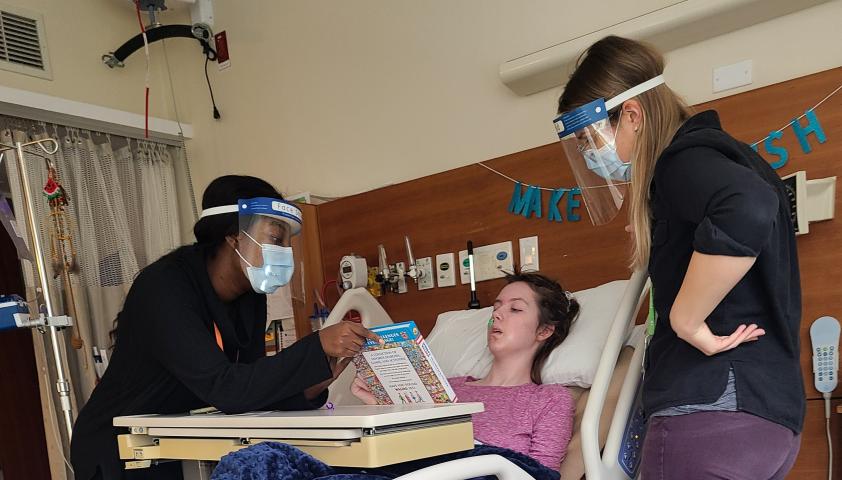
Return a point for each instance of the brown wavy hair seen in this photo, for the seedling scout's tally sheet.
(556, 308)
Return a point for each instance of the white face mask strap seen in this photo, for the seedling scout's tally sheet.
(252, 238)
(243, 258)
(633, 92)
(617, 130)
(241, 255)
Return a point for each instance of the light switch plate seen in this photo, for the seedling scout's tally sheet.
(529, 254)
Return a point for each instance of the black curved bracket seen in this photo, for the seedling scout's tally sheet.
(197, 32)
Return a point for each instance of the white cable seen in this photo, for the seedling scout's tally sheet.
(172, 89)
(512, 179)
(830, 452)
(146, 52)
(612, 185)
(826, 396)
(801, 116)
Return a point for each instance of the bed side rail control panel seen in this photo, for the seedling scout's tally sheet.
(635, 433)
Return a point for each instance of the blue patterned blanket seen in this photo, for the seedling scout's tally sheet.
(279, 461)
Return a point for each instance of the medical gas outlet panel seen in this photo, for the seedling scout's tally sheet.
(490, 262)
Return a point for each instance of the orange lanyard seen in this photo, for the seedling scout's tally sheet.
(218, 337)
(221, 345)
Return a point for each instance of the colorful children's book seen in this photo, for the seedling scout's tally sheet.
(402, 370)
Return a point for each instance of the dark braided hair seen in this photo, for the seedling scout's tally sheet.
(557, 308)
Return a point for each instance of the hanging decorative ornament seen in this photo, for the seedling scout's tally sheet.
(54, 191)
(62, 250)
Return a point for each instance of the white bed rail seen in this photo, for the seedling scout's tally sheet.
(470, 467)
(371, 312)
(606, 466)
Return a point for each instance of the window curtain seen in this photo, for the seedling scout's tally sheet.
(128, 202)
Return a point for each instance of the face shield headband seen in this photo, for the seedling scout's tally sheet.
(281, 210)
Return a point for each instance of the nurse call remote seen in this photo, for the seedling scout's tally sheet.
(824, 335)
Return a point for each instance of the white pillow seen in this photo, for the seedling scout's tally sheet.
(459, 341)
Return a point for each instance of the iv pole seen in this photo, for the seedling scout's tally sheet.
(62, 380)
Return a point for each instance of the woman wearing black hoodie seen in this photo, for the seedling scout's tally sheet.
(710, 221)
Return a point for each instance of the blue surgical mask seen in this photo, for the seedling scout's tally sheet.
(607, 164)
(278, 267)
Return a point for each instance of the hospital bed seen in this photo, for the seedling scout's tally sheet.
(607, 430)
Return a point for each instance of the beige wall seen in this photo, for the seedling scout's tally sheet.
(78, 33)
(340, 97)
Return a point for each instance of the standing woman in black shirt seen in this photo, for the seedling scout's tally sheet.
(709, 218)
(191, 331)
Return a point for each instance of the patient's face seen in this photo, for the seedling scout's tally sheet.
(514, 329)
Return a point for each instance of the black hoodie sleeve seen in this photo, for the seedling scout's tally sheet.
(733, 207)
(181, 342)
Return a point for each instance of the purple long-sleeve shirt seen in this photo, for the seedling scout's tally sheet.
(536, 420)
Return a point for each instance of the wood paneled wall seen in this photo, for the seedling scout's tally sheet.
(441, 212)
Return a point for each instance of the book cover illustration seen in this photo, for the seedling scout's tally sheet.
(402, 370)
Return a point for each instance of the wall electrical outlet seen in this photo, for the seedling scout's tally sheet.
(425, 268)
(529, 254)
(446, 270)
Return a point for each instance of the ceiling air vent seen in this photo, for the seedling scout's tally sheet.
(23, 43)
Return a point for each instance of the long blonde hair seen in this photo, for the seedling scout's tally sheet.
(606, 69)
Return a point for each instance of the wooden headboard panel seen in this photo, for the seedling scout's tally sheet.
(441, 212)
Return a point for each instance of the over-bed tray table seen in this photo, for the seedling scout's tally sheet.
(349, 436)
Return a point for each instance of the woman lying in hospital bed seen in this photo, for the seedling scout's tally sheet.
(459, 344)
(532, 315)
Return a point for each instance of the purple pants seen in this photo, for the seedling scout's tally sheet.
(717, 445)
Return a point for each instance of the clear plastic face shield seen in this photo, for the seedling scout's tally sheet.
(588, 140)
(267, 226)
